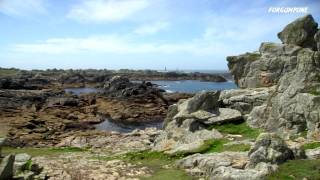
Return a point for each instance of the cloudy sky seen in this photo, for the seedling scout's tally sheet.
(137, 34)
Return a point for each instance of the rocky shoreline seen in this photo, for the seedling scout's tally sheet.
(250, 133)
(53, 78)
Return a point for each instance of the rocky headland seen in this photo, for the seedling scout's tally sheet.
(266, 129)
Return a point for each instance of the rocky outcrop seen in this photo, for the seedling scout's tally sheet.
(121, 87)
(294, 69)
(295, 105)
(13, 100)
(269, 148)
(26, 83)
(263, 68)
(300, 32)
(187, 121)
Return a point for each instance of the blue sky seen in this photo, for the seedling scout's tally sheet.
(137, 34)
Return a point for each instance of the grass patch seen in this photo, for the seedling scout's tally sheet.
(297, 169)
(219, 145)
(237, 147)
(237, 128)
(314, 91)
(311, 145)
(41, 151)
(214, 145)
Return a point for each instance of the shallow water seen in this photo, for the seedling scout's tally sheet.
(193, 86)
(108, 125)
(78, 91)
(187, 86)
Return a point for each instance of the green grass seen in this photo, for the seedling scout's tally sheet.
(237, 128)
(214, 145)
(237, 147)
(218, 145)
(311, 145)
(41, 151)
(297, 169)
(314, 91)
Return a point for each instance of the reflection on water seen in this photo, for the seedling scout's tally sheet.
(78, 91)
(193, 86)
(108, 125)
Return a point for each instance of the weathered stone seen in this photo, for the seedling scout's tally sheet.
(269, 148)
(295, 105)
(188, 138)
(205, 101)
(313, 153)
(21, 161)
(264, 68)
(205, 164)
(300, 32)
(172, 111)
(6, 167)
(244, 100)
(224, 115)
(259, 172)
(317, 39)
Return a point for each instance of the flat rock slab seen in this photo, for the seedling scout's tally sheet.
(207, 163)
(225, 115)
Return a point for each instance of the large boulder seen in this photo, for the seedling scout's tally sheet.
(6, 167)
(228, 173)
(189, 137)
(269, 148)
(203, 107)
(187, 122)
(21, 161)
(205, 164)
(300, 32)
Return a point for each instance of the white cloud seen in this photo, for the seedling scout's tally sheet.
(153, 28)
(119, 45)
(106, 10)
(22, 7)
